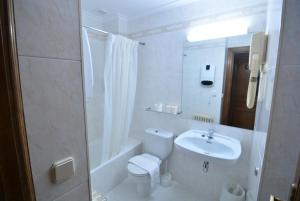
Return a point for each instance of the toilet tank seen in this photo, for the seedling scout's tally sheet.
(158, 142)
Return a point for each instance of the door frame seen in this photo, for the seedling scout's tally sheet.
(229, 67)
(294, 194)
(13, 93)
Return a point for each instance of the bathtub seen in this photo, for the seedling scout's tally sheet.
(109, 174)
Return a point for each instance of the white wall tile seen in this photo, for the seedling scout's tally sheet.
(256, 161)
(53, 106)
(79, 193)
(52, 93)
(207, 13)
(266, 88)
(48, 28)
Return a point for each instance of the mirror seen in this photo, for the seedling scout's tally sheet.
(215, 79)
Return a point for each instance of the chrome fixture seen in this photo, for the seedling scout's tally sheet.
(256, 171)
(211, 133)
(105, 32)
(205, 166)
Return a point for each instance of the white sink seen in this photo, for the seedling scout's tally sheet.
(219, 147)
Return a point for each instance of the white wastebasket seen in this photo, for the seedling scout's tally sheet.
(233, 192)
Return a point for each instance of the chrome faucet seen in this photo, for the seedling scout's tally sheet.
(211, 133)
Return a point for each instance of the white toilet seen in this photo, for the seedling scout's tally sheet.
(158, 145)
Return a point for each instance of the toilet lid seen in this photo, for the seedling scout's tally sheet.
(136, 170)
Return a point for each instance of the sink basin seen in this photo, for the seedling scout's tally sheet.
(219, 147)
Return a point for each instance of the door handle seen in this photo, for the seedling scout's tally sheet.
(293, 192)
(273, 198)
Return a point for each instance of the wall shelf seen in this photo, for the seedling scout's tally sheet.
(149, 109)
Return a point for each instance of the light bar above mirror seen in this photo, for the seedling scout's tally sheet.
(221, 29)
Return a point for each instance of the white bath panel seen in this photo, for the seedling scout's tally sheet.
(107, 176)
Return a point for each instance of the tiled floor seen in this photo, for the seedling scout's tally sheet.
(126, 192)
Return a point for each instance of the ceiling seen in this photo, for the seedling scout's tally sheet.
(132, 8)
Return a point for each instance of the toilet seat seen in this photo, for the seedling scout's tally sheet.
(138, 171)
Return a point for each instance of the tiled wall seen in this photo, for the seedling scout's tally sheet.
(266, 87)
(194, 14)
(48, 39)
(284, 139)
(107, 22)
(255, 164)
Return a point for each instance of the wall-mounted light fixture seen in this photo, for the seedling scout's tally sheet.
(219, 29)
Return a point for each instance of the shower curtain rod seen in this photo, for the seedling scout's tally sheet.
(105, 32)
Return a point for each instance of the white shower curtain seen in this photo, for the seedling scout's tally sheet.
(120, 75)
(87, 66)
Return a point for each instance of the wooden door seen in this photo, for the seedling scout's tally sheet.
(15, 173)
(237, 113)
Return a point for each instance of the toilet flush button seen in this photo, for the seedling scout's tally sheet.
(63, 170)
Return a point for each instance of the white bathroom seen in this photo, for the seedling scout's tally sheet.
(178, 95)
